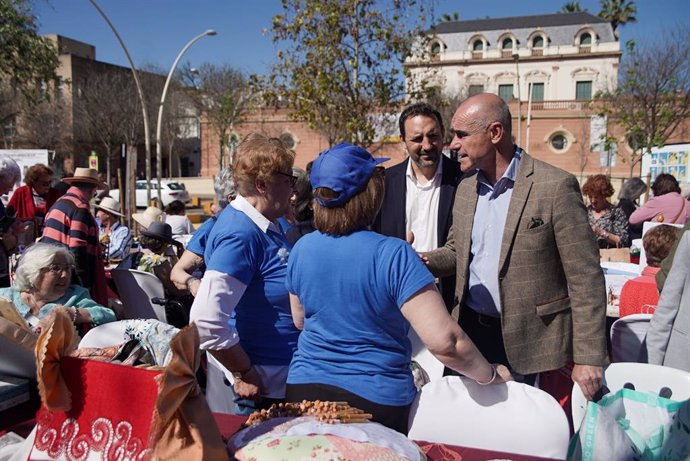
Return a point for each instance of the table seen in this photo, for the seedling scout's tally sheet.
(230, 424)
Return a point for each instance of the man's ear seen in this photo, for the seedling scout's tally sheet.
(496, 132)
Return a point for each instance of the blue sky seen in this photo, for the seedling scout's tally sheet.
(154, 31)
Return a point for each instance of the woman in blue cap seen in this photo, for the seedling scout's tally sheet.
(355, 294)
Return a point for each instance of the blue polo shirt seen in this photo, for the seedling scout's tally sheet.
(355, 337)
(197, 244)
(238, 247)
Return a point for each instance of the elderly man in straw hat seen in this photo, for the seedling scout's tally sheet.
(70, 222)
(116, 238)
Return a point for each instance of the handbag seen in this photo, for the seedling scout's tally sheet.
(618, 255)
(94, 410)
(630, 425)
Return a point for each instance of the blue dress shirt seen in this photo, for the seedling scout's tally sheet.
(487, 235)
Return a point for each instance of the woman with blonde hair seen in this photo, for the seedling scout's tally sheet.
(241, 308)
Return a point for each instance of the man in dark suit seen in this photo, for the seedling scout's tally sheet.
(532, 294)
(420, 191)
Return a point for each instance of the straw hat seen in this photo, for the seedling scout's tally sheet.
(159, 230)
(110, 205)
(151, 214)
(87, 176)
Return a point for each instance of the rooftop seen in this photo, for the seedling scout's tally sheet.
(517, 22)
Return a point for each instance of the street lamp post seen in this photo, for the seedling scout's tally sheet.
(147, 141)
(516, 56)
(159, 154)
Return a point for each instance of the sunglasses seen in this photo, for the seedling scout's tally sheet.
(293, 179)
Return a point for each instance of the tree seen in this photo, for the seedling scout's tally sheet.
(101, 112)
(44, 125)
(450, 17)
(341, 63)
(653, 96)
(572, 7)
(25, 58)
(223, 94)
(618, 13)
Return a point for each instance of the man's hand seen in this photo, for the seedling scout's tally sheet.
(588, 377)
(249, 386)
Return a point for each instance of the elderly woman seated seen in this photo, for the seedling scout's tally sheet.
(43, 283)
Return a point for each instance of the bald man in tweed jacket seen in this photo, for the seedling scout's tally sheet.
(536, 292)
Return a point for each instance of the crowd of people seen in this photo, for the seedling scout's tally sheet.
(304, 284)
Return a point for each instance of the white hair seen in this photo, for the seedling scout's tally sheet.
(37, 257)
(9, 170)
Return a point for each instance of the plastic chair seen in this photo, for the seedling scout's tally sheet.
(106, 335)
(628, 338)
(458, 411)
(667, 382)
(16, 360)
(137, 289)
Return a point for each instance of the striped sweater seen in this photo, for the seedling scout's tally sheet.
(70, 222)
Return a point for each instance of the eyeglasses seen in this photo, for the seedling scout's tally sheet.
(57, 268)
(293, 178)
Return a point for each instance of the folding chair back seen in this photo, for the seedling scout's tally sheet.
(136, 289)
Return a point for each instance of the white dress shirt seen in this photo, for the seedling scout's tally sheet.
(421, 208)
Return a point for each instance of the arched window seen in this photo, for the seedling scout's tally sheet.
(507, 43)
(586, 39)
(478, 45)
(538, 42)
(435, 49)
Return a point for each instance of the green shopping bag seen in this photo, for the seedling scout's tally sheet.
(631, 425)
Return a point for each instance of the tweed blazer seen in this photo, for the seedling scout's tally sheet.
(391, 218)
(552, 288)
(668, 337)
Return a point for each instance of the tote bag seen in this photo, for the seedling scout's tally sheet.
(632, 425)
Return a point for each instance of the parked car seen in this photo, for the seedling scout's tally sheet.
(170, 190)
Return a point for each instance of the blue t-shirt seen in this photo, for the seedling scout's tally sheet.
(355, 337)
(237, 247)
(197, 244)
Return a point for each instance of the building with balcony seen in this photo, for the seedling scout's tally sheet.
(562, 56)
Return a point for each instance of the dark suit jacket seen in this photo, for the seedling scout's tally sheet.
(391, 219)
(552, 287)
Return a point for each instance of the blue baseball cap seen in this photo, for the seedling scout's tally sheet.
(345, 169)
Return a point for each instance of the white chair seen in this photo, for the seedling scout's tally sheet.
(628, 338)
(425, 359)
(667, 382)
(106, 335)
(136, 288)
(218, 380)
(510, 417)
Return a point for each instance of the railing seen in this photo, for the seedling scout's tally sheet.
(477, 54)
(537, 52)
(570, 105)
(506, 53)
(584, 49)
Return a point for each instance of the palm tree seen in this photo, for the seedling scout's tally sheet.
(450, 17)
(572, 7)
(618, 13)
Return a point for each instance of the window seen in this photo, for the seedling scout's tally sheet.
(583, 90)
(505, 92)
(507, 43)
(586, 39)
(475, 89)
(435, 49)
(538, 42)
(289, 140)
(559, 142)
(537, 91)
(478, 45)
